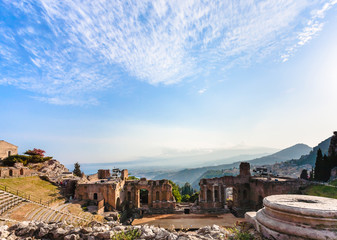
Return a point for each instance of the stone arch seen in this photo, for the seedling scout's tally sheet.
(216, 196)
(144, 196)
(95, 196)
(209, 196)
(129, 196)
(118, 203)
(157, 196)
(21, 171)
(9, 153)
(244, 194)
(10, 172)
(259, 202)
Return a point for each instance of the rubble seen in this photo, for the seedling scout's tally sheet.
(58, 231)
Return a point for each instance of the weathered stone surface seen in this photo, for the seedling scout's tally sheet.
(298, 217)
(102, 232)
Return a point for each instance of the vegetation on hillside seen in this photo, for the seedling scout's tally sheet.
(321, 191)
(77, 170)
(175, 191)
(33, 186)
(323, 166)
(31, 156)
(133, 178)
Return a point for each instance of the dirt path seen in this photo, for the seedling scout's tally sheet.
(188, 220)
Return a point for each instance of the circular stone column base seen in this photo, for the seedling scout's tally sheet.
(288, 217)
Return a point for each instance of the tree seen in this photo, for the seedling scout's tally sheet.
(186, 198)
(77, 170)
(304, 174)
(175, 191)
(318, 165)
(186, 189)
(194, 197)
(36, 152)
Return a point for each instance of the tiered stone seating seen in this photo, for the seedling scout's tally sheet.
(40, 212)
(8, 201)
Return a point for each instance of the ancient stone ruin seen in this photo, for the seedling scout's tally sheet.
(7, 149)
(301, 217)
(115, 191)
(244, 192)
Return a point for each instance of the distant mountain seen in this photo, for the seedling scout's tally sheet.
(293, 152)
(311, 157)
(193, 175)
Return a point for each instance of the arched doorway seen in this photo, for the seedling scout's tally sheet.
(95, 196)
(118, 203)
(216, 196)
(144, 196)
(21, 171)
(259, 203)
(129, 196)
(209, 196)
(244, 195)
(157, 196)
(10, 172)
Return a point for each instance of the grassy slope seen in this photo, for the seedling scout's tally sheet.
(33, 186)
(322, 191)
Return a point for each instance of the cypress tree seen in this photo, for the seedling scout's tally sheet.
(77, 170)
(318, 166)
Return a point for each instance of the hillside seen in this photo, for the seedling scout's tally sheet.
(311, 157)
(293, 152)
(193, 175)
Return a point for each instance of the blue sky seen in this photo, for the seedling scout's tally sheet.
(100, 81)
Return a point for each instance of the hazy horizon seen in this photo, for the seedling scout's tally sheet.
(127, 81)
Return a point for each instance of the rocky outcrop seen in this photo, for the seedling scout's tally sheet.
(333, 144)
(58, 231)
(51, 168)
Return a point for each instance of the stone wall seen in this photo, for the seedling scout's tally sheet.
(7, 149)
(103, 173)
(7, 172)
(119, 193)
(247, 191)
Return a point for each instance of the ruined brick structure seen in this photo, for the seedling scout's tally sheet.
(247, 191)
(7, 149)
(18, 170)
(117, 192)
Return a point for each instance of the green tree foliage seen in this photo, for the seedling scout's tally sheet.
(175, 191)
(318, 165)
(186, 198)
(194, 197)
(133, 178)
(31, 156)
(186, 189)
(77, 170)
(324, 165)
(304, 174)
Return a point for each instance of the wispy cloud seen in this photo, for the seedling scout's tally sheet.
(71, 48)
(313, 26)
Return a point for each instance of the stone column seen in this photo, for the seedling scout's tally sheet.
(205, 192)
(137, 199)
(213, 193)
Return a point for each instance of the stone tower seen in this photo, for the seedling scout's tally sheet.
(244, 169)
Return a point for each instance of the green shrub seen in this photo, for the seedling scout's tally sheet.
(11, 160)
(130, 234)
(240, 232)
(175, 191)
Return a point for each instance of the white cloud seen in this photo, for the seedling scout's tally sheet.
(72, 47)
(313, 26)
(202, 91)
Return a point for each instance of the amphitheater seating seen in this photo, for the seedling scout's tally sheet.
(40, 212)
